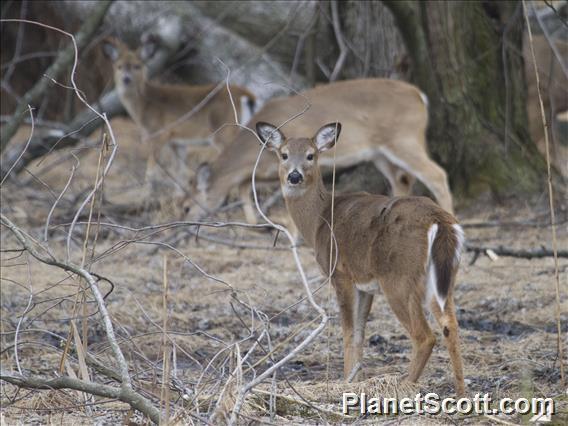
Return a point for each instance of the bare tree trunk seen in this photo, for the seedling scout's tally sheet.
(372, 37)
(465, 58)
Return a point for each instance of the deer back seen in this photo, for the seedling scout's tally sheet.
(375, 112)
(378, 236)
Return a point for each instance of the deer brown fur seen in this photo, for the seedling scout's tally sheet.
(407, 246)
(386, 123)
(554, 92)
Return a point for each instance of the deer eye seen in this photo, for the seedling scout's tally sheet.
(310, 157)
(136, 66)
(284, 156)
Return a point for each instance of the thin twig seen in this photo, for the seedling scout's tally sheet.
(30, 109)
(165, 393)
(560, 344)
(88, 277)
(340, 42)
(74, 167)
(22, 317)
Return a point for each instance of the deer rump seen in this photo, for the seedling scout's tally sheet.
(378, 236)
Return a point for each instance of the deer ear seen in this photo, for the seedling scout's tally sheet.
(110, 49)
(326, 137)
(149, 46)
(203, 176)
(269, 135)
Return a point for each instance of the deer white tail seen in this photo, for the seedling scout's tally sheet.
(445, 244)
(247, 109)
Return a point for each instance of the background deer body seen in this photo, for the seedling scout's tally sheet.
(385, 121)
(158, 109)
(408, 246)
(554, 91)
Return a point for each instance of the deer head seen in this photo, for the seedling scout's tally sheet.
(298, 158)
(129, 66)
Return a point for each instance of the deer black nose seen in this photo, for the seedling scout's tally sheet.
(295, 177)
(126, 79)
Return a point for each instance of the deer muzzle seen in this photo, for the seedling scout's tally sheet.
(295, 177)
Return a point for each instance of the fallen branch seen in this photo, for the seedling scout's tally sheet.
(289, 405)
(521, 253)
(125, 392)
(510, 224)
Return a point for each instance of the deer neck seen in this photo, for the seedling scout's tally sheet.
(308, 210)
(134, 98)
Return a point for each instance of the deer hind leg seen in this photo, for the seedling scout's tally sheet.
(150, 190)
(449, 324)
(362, 307)
(151, 169)
(158, 183)
(153, 175)
(410, 312)
(401, 182)
(415, 161)
(248, 207)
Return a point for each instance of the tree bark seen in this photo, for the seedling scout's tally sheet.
(464, 57)
(62, 62)
(259, 22)
(374, 42)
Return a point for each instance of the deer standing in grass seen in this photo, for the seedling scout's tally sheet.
(158, 109)
(385, 123)
(407, 246)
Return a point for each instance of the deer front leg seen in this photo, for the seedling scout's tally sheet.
(362, 305)
(151, 166)
(153, 184)
(154, 177)
(345, 293)
(401, 182)
(250, 211)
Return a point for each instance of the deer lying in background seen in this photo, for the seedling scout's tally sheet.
(407, 246)
(385, 123)
(158, 109)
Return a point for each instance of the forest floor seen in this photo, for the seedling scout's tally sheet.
(506, 310)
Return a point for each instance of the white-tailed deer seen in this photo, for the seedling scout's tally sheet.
(407, 246)
(158, 109)
(385, 123)
(554, 92)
